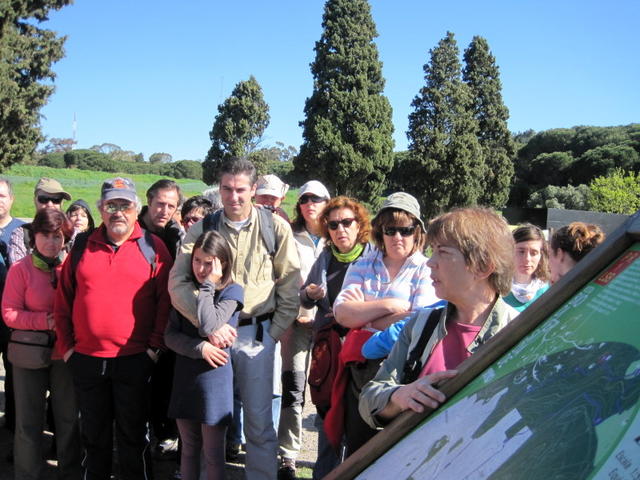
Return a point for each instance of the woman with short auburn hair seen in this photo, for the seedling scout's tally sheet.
(27, 304)
(483, 238)
(345, 227)
(360, 214)
(471, 268)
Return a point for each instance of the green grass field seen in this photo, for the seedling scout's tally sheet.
(85, 184)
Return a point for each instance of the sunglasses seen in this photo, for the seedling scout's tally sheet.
(311, 198)
(345, 222)
(404, 231)
(112, 208)
(191, 219)
(44, 200)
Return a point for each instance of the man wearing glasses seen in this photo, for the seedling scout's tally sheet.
(47, 194)
(110, 312)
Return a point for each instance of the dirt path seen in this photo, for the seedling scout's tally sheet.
(164, 469)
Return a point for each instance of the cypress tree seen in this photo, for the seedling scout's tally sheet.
(483, 77)
(238, 127)
(446, 165)
(26, 55)
(347, 131)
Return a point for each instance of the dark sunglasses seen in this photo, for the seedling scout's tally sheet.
(404, 231)
(345, 222)
(311, 198)
(191, 219)
(44, 200)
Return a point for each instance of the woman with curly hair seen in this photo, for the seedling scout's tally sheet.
(345, 228)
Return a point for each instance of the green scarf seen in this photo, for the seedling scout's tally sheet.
(43, 263)
(47, 265)
(350, 256)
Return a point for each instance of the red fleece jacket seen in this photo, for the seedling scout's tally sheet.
(118, 306)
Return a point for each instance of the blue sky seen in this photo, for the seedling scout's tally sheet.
(149, 75)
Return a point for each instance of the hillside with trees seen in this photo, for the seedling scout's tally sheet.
(560, 168)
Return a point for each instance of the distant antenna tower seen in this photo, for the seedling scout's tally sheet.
(74, 127)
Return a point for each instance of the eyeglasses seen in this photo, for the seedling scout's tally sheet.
(345, 222)
(44, 200)
(404, 231)
(112, 208)
(311, 198)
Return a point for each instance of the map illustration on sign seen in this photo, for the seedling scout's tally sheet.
(564, 402)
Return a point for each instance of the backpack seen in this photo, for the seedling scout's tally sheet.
(145, 244)
(413, 365)
(327, 343)
(265, 219)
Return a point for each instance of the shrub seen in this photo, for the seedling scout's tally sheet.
(570, 197)
(616, 193)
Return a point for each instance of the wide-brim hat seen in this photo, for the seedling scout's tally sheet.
(271, 185)
(52, 187)
(405, 202)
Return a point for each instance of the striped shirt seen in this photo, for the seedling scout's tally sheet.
(370, 276)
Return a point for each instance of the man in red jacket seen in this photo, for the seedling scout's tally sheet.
(111, 310)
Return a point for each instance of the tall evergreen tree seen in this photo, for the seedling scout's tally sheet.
(26, 55)
(347, 131)
(445, 166)
(483, 77)
(238, 127)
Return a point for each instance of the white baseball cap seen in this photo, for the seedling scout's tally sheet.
(314, 187)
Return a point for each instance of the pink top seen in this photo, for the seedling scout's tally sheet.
(28, 297)
(452, 350)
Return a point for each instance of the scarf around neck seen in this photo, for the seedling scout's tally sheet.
(349, 256)
(524, 292)
(47, 265)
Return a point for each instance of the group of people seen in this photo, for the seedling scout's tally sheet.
(178, 315)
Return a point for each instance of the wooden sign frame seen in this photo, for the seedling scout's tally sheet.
(621, 239)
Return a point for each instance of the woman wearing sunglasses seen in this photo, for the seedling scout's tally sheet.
(380, 289)
(345, 228)
(296, 341)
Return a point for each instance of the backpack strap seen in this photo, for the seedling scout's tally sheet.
(148, 249)
(26, 235)
(267, 230)
(413, 365)
(79, 245)
(211, 221)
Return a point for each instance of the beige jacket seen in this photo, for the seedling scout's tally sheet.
(269, 286)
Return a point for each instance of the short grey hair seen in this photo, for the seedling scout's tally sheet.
(213, 195)
(8, 184)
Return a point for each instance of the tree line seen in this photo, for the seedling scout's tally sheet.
(111, 158)
(460, 150)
